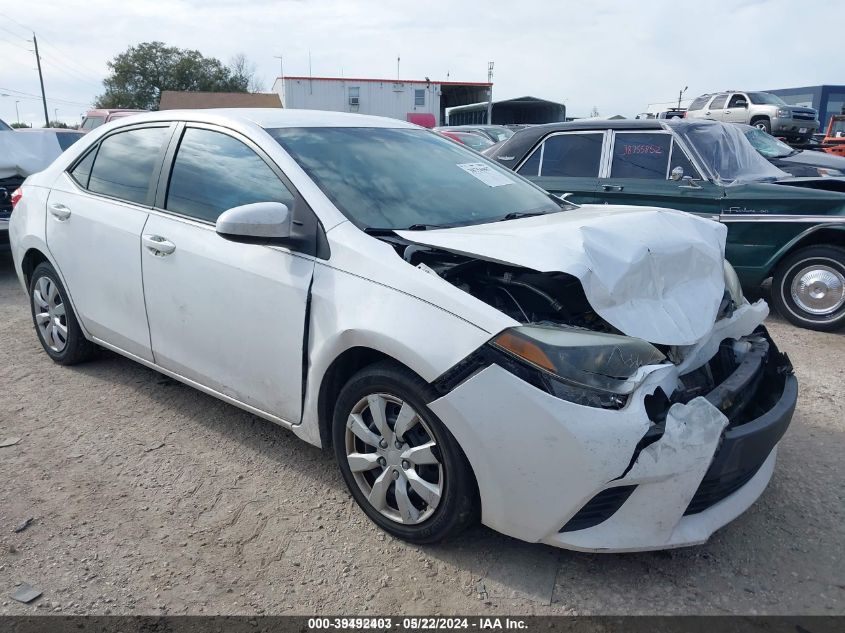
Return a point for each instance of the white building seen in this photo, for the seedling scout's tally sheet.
(422, 102)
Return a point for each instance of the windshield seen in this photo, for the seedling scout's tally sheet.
(400, 178)
(723, 149)
(767, 144)
(764, 98)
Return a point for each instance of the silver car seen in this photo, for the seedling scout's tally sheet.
(760, 109)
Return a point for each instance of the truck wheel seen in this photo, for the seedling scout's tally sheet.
(763, 124)
(808, 288)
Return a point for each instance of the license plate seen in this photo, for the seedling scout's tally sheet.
(802, 130)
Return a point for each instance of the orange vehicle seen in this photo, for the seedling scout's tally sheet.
(834, 139)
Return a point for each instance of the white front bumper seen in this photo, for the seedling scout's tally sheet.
(539, 459)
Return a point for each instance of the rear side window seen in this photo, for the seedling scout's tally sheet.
(125, 163)
(698, 103)
(719, 102)
(82, 172)
(214, 172)
(93, 121)
(571, 156)
(641, 155)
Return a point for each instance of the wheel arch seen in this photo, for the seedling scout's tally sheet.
(819, 235)
(760, 117)
(30, 260)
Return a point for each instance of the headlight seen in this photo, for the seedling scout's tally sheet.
(824, 171)
(732, 284)
(783, 112)
(586, 367)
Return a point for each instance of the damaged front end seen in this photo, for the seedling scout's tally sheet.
(614, 443)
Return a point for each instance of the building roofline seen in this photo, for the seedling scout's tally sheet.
(390, 81)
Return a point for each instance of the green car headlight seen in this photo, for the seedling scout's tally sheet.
(598, 367)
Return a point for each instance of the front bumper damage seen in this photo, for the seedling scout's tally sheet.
(591, 479)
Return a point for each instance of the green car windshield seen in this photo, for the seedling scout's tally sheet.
(767, 144)
(399, 178)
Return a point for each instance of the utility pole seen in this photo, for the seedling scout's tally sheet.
(397, 67)
(17, 114)
(490, 93)
(281, 66)
(681, 96)
(41, 79)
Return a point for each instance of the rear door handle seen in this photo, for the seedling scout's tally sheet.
(158, 245)
(59, 211)
(612, 187)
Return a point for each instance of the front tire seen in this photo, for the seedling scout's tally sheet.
(808, 288)
(54, 319)
(763, 124)
(401, 464)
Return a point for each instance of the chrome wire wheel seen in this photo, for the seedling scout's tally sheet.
(394, 458)
(818, 289)
(50, 314)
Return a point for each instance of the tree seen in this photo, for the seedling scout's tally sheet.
(59, 124)
(139, 75)
(243, 72)
(18, 125)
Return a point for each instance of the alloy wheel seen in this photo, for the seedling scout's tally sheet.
(394, 458)
(50, 314)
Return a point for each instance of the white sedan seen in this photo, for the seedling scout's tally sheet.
(470, 346)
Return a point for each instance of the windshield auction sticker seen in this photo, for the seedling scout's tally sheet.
(485, 174)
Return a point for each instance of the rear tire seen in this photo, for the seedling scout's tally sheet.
(808, 288)
(427, 489)
(54, 319)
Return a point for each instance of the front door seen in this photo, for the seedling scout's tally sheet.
(737, 110)
(95, 215)
(639, 169)
(567, 163)
(226, 315)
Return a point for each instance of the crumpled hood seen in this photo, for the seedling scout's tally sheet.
(652, 273)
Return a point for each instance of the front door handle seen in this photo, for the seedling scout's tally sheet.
(59, 211)
(612, 187)
(158, 245)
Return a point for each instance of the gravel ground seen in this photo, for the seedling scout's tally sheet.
(149, 497)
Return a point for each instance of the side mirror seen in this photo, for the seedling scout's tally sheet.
(257, 223)
(742, 104)
(677, 173)
(689, 183)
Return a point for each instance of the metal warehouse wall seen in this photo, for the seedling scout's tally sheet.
(379, 98)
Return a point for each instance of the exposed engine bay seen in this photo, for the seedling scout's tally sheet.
(524, 295)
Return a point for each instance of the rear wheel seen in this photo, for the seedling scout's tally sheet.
(56, 324)
(401, 465)
(808, 288)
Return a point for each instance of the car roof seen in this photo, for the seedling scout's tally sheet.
(274, 118)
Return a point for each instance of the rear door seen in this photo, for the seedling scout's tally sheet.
(638, 171)
(715, 110)
(567, 162)
(226, 315)
(96, 213)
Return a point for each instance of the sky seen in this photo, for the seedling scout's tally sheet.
(615, 55)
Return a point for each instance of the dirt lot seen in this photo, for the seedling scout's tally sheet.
(149, 497)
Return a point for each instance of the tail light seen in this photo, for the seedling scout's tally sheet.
(17, 194)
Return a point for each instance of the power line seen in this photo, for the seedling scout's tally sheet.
(20, 93)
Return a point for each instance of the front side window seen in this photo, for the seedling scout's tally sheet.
(214, 172)
(738, 101)
(125, 162)
(643, 155)
(395, 178)
(419, 97)
(572, 156)
(680, 159)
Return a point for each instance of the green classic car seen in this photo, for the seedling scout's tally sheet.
(789, 229)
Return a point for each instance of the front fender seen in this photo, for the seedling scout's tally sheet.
(348, 311)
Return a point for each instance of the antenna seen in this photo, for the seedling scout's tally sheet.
(398, 59)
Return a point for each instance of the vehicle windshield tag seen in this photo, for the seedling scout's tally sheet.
(488, 176)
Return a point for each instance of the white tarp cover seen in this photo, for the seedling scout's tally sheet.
(652, 273)
(25, 153)
(725, 152)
